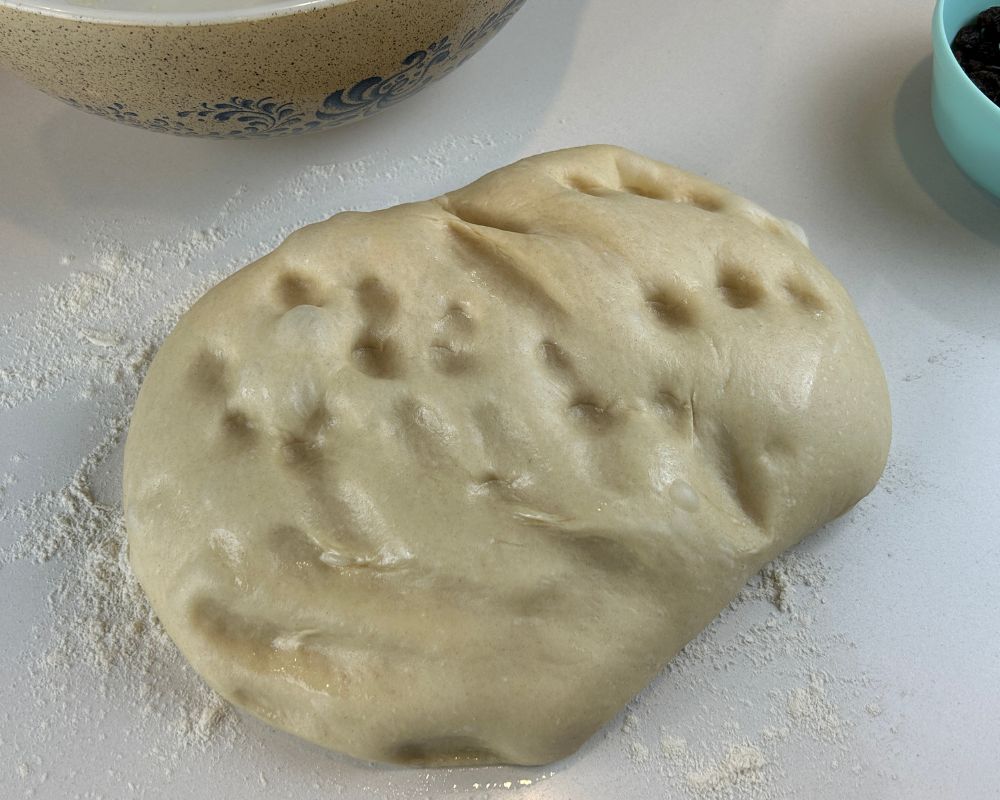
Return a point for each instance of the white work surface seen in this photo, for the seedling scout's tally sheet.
(881, 679)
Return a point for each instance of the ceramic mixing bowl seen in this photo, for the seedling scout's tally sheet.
(968, 121)
(236, 69)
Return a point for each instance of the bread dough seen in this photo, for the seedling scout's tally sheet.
(451, 482)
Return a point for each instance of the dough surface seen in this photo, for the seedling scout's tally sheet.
(451, 482)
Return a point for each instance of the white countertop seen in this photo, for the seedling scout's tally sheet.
(881, 679)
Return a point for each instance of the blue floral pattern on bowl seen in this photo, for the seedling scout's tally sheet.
(264, 116)
(268, 117)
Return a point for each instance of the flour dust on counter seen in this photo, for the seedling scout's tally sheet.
(742, 740)
(99, 329)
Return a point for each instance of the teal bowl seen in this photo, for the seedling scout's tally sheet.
(968, 121)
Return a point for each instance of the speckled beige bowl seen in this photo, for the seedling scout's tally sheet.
(242, 72)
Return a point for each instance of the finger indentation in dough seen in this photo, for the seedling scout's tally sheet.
(650, 191)
(486, 481)
(457, 320)
(237, 428)
(249, 639)
(377, 301)
(673, 306)
(555, 358)
(740, 287)
(317, 420)
(637, 178)
(595, 414)
(301, 453)
(600, 550)
(449, 359)
(740, 476)
(489, 484)
(703, 199)
(208, 373)
(804, 294)
(376, 357)
(676, 410)
(295, 289)
(588, 186)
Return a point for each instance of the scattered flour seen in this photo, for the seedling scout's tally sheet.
(100, 625)
(734, 775)
(637, 751)
(740, 742)
(811, 708)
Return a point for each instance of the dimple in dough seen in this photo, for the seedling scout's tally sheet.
(451, 482)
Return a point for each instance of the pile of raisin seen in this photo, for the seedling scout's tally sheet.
(977, 48)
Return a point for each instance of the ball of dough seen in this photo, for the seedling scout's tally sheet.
(451, 482)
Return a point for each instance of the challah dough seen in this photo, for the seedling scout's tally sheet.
(451, 482)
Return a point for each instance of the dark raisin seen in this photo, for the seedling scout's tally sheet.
(990, 18)
(977, 50)
(966, 40)
(989, 83)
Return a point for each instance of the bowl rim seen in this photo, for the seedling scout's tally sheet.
(268, 9)
(942, 47)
